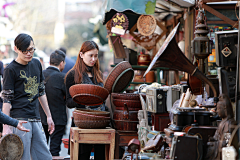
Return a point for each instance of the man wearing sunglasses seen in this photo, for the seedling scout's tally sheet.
(22, 88)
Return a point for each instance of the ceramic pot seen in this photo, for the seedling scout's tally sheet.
(144, 59)
(150, 77)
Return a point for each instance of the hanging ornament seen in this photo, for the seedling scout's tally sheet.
(146, 25)
(119, 24)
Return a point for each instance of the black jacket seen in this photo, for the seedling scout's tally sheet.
(55, 92)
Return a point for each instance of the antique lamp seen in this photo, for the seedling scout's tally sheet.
(201, 47)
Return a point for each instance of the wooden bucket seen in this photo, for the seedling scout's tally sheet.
(11, 147)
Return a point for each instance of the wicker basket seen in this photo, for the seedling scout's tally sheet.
(86, 117)
(92, 124)
(11, 147)
(146, 24)
(126, 96)
(88, 94)
(123, 81)
(93, 112)
(116, 73)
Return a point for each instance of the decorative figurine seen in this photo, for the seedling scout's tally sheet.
(224, 130)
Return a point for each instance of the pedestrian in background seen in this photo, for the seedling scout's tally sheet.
(69, 62)
(22, 88)
(1, 102)
(55, 91)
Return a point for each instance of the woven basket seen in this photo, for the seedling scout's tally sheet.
(92, 124)
(86, 117)
(93, 112)
(146, 24)
(88, 94)
(129, 103)
(126, 96)
(11, 147)
(114, 74)
(123, 81)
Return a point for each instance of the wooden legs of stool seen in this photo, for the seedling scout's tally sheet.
(74, 148)
(109, 151)
(109, 148)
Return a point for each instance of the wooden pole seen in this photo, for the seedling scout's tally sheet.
(237, 92)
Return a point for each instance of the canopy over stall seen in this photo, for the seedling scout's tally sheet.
(131, 8)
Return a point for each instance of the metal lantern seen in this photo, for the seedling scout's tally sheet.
(201, 44)
(201, 47)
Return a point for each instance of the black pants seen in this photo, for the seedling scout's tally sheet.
(85, 149)
(55, 138)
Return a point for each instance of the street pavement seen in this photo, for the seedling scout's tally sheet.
(64, 151)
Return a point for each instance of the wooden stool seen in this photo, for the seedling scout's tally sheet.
(92, 136)
(122, 139)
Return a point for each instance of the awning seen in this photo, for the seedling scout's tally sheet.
(131, 8)
(137, 6)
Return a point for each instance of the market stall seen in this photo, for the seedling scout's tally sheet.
(158, 120)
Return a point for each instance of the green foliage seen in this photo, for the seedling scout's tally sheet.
(150, 7)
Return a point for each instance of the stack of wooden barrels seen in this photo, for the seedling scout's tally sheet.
(125, 116)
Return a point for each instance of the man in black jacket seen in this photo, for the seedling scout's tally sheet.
(55, 91)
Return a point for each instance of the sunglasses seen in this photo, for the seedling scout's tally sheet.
(31, 50)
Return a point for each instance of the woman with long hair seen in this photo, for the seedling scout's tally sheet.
(86, 71)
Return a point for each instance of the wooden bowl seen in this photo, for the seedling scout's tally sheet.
(93, 112)
(88, 94)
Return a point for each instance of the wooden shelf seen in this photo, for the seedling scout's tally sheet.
(137, 67)
(140, 83)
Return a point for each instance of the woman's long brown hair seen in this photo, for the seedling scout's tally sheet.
(80, 67)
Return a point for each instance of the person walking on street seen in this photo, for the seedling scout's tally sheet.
(55, 92)
(22, 88)
(69, 62)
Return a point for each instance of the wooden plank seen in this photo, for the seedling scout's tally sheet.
(220, 6)
(101, 138)
(218, 22)
(219, 15)
(206, 1)
(119, 51)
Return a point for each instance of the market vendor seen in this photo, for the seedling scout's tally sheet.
(86, 71)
